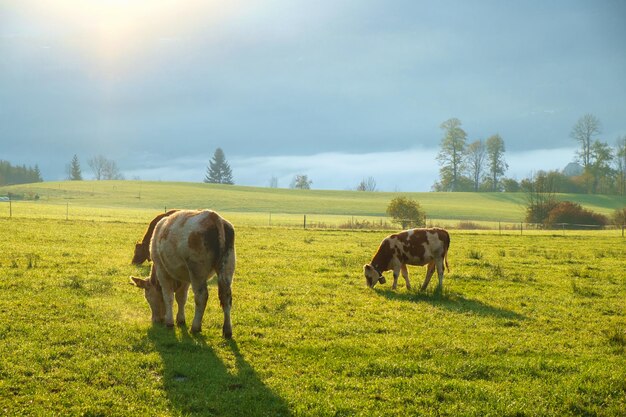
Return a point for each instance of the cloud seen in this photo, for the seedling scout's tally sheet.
(413, 169)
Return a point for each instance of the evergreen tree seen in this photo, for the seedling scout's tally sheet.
(75, 173)
(218, 171)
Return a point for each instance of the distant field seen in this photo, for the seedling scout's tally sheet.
(138, 199)
(526, 326)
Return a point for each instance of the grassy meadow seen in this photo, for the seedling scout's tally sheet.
(133, 200)
(527, 325)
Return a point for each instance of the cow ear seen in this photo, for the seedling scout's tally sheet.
(141, 283)
(367, 267)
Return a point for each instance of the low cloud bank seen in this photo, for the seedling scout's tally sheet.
(410, 170)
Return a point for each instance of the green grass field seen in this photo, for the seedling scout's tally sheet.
(527, 325)
(112, 199)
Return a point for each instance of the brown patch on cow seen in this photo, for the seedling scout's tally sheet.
(209, 218)
(195, 241)
(383, 256)
(416, 244)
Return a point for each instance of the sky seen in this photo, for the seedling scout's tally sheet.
(339, 90)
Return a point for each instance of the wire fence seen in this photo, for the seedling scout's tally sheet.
(66, 211)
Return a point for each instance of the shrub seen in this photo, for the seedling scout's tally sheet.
(467, 225)
(619, 216)
(407, 212)
(575, 214)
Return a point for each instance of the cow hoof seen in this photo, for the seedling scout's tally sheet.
(227, 335)
(196, 329)
(169, 325)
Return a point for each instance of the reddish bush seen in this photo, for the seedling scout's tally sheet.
(574, 215)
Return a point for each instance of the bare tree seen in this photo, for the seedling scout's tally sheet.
(274, 182)
(367, 184)
(104, 169)
(583, 132)
(475, 161)
(540, 192)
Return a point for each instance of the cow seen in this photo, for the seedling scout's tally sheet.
(410, 247)
(188, 247)
(142, 249)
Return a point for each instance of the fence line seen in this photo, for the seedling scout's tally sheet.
(27, 209)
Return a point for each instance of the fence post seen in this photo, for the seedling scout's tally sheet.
(500, 227)
(305, 221)
(521, 227)
(11, 211)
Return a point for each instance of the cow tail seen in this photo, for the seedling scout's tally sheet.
(446, 246)
(221, 240)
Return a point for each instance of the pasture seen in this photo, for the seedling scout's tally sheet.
(134, 200)
(526, 325)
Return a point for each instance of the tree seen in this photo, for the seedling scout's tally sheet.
(451, 155)
(218, 171)
(104, 169)
(301, 182)
(600, 160)
(406, 212)
(74, 172)
(475, 161)
(495, 160)
(620, 165)
(510, 185)
(367, 184)
(540, 196)
(583, 132)
(274, 182)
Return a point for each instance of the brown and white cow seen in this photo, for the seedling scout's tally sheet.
(142, 249)
(187, 248)
(410, 247)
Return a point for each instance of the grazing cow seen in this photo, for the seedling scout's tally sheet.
(142, 249)
(188, 247)
(411, 247)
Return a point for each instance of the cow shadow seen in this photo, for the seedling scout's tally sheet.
(198, 382)
(452, 302)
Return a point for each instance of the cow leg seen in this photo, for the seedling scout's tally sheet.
(429, 273)
(405, 275)
(439, 263)
(181, 300)
(201, 295)
(226, 301)
(167, 285)
(396, 273)
(224, 287)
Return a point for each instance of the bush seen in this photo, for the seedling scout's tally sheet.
(407, 212)
(619, 216)
(575, 214)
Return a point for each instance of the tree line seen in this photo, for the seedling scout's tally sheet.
(481, 166)
(10, 174)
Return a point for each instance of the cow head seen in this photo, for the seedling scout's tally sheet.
(154, 296)
(372, 276)
(142, 254)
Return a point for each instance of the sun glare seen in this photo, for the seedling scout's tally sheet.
(112, 32)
